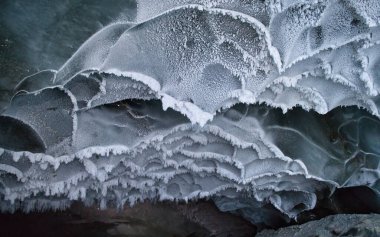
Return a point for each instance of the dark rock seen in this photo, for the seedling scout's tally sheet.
(335, 225)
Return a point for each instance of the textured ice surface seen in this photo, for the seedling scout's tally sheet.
(282, 54)
(167, 107)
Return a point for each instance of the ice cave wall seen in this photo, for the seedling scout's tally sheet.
(185, 103)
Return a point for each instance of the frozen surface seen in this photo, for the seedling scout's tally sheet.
(284, 56)
(167, 107)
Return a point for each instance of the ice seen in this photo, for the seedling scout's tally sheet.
(237, 101)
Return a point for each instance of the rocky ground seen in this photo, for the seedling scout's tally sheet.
(335, 225)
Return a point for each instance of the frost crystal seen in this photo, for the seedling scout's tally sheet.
(154, 109)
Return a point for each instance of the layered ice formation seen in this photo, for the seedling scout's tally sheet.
(203, 99)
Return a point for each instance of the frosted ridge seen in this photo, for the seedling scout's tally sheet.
(175, 160)
(255, 65)
(168, 108)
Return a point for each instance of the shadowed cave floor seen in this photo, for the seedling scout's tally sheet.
(193, 219)
(144, 219)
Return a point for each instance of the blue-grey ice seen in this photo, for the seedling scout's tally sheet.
(195, 99)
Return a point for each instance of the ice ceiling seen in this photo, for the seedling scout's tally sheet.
(220, 99)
